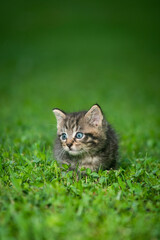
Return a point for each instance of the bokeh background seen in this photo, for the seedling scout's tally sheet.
(73, 54)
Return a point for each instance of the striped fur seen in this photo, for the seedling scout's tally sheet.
(98, 147)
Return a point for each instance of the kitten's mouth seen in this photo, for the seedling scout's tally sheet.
(75, 152)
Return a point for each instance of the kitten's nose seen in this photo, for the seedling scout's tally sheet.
(69, 145)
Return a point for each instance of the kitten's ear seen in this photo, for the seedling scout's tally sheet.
(60, 116)
(94, 116)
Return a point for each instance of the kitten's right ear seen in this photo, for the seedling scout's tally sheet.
(94, 116)
(60, 116)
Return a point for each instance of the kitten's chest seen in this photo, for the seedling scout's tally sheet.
(87, 162)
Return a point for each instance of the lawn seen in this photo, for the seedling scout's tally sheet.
(71, 56)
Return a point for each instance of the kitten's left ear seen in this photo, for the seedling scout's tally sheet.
(60, 116)
(94, 116)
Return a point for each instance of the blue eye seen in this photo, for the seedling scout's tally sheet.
(64, 136)
(79, 135)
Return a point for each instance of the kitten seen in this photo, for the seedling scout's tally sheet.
(85, 140)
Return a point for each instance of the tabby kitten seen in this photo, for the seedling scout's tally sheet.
(85, 139)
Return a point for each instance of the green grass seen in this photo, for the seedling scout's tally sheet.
(56, 54)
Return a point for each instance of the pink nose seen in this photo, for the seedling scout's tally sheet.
(69, 145)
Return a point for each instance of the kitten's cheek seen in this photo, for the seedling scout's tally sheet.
(66, 148)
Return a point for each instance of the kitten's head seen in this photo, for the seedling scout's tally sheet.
(81, 132)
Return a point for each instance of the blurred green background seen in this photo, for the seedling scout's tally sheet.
(71, 55)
